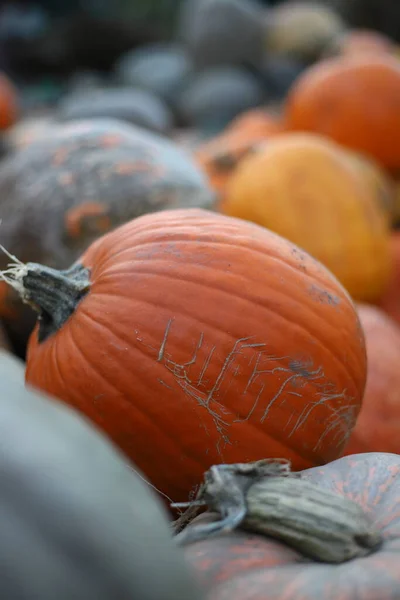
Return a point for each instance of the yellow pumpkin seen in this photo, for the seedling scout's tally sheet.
(307, 189)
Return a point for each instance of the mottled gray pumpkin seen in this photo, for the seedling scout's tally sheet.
(76, 522)
(79, 180)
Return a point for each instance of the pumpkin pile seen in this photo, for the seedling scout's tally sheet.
(200, 310)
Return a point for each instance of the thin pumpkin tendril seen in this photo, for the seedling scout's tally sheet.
(14, 273)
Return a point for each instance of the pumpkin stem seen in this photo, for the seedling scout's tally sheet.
(266, 498)
(52, 293)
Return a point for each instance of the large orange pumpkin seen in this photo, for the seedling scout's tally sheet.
(354, 100)
(192, 338)
(307, 189)
(377, 427)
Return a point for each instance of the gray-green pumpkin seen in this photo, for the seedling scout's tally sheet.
(76, 523)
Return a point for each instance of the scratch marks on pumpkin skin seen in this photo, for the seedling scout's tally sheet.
(163, 343)
(288, 378)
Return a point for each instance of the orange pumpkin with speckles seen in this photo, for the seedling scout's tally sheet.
(353, 100)
(192, 338)
(309, 190)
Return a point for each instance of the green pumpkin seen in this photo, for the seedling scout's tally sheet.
(76, 523)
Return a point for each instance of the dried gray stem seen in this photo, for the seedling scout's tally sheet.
(53, 294)
(316, 522)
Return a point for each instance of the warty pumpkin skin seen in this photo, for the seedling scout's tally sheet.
(253, 567)
(68, 187)
(76, 521)
(354, 101)
(201, 339)
(377, 426)
(305, 188)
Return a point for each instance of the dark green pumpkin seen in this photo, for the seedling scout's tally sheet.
(76, 523)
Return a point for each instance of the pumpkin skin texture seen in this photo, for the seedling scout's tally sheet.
(253, 567)
(328, 209)
(378, 423)
(76, 521)
(70, 186)
(354, 101)
(185, 356)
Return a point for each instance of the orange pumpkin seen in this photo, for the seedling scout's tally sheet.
(8, 103)
(390, 301)
(192, 338)
(220, 156)
(355, 101)
(306, 188)
(377, 427)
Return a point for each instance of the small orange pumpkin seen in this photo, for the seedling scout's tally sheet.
(355, 101)
(377, 426)
(192, 338)
(305, 188)
(220, 156)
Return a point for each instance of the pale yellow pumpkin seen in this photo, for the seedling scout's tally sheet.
(307, 189)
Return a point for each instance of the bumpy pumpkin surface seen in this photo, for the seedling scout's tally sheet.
(352, 100)
(194, 339)
(65, 189)
(378, 423)
(76, 522)
(254, 567)
(306, 189)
